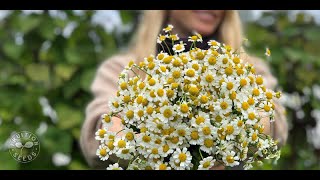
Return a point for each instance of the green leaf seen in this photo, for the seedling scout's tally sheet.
(64, 71)
(12, 50)
(56, 140)
(312, 34)
(87, 78)
(38, 72)
(68, 117)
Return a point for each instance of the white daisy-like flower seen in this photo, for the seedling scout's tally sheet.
(251, 116)
(253, 136)
(102, 152)
(168, 28)
(106, 120)
(165, 150)
(230, 158)
(153, 151)
(191, 74)
(229, 85)
(208, 144)
(114, 167)
(182, 157)
(167, 113)
(115, 105)
(174, 140)
(184, 109)
(267, 107)
(214, 44)
(182, 130)
(162, 166)
(206, 163)
(161, 38)
(208, 78)
(194, 137)
(100, 134)
(223, 60)
(224, 105)
(179, 47)
(199, 119)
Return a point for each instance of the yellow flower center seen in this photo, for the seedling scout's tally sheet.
(107, 119)
(193, 90)
(103, 152)
(208, 143)
(269, 95)
(259, 80)
(126, 99)
(236, 60)
(101, 133)
(209, 78)
(130, 114)
(228, 71)
(195, 66)
(245, 105)
(152, 82)
(256, 92)
(199, 120)
(162, 167)
(149, 110)
(212, 60)
(121, 144)
(206, 131)
(139, 99)
(123, 85)
(204, 99)
(146, 138)
(225, 60)
(143, 129)
(178, 47)
(167, 113)
(154, 151)
(229, 129)
(251, 116)
(182, 157)
(251, 101)
(230, 159)
(160, 92)
(170, 93)
(194, 38)
(266, 108)
(140, 113)
(163, 68)
(129, 136)
(190, 73)
(223, 105)
(243, 82)
(151, 65)
(218, 118)
(240, 71)
(240, 123)
(115, 104)
(110, 145)
(233, 95)
(174, 140)
(165, 148)
(176, 74)
(160, 56)
(181, 132)
(167, 59)
(200, 55)
(194, 135)
(206, 164)
(184, 108)
(229, 85)
(254, 136)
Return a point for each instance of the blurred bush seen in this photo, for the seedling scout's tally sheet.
(295, 61)
(47, 62)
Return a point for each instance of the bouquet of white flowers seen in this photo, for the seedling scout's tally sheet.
(190, 110)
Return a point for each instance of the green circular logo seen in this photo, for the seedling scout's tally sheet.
(24, 146)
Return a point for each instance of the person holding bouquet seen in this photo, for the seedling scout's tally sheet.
(220, 25)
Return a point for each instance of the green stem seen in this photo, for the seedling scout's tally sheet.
(200, 153)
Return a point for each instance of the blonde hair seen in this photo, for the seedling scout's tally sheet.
(144, 42)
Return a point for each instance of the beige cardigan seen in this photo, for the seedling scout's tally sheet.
(104, 86)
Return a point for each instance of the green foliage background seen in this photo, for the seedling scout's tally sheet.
(38, 62)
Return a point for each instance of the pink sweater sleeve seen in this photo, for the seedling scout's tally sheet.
(103, 88)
